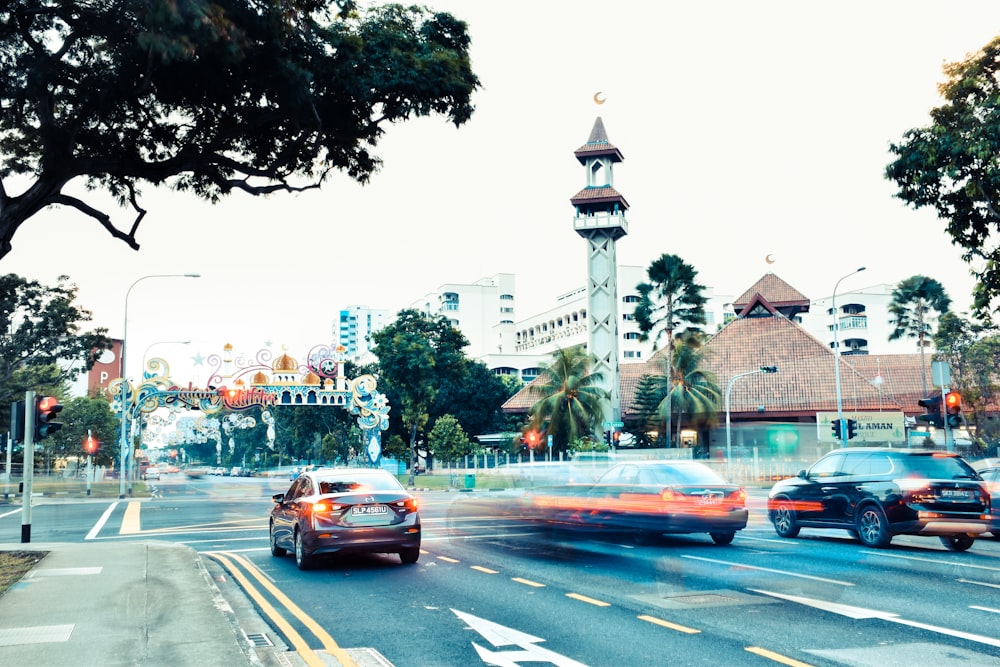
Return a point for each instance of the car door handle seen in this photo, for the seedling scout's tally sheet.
(828, 488)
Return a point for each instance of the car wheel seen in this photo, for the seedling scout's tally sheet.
(303, 560)
(957, 542)
(409, 556)
(275, 549)
(872, 529)
(723, 538)
(783, 518)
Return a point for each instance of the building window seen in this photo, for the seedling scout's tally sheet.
(630, 298)
(632, 335)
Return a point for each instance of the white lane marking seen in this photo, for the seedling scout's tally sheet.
(992, 611)
(767, 569)
(936, 561)
(17, 511)
(859, 613)
(100, 522)
(977, 583)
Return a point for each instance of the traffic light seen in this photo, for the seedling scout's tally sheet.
(17, 420)
(46, 409)
(531, 439)
(90, 444)
(953, 406)
(836, 427)
(852, 428)
(932, 411)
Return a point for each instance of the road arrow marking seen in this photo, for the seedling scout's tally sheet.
(501, 635)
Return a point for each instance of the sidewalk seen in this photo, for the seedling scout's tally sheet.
(128, 603)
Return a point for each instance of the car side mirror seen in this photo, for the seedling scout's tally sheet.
(278, 498)
(802, 474)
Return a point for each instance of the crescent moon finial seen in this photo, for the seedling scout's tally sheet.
(599, 98)
(769, 259)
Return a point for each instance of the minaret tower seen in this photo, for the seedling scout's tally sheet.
(600, 218)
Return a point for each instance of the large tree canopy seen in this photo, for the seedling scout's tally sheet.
(210, 96)
(40, 326)
(951, 166)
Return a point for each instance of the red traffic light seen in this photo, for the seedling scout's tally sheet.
(90, 444)
(46, 409)
(953, 401)
(532, 438)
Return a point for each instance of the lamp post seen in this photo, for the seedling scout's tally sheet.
(729, 434)
(836, 356)
(125, 412)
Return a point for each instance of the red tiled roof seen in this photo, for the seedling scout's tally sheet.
(777, 292)
(804, 384)
(600, 195)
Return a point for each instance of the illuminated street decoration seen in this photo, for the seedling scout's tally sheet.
(243, 382)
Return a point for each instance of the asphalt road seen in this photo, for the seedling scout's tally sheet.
(490, 590)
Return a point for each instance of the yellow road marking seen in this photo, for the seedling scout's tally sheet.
(484, 569)
(448, 560)
(130, 522)
(777, 657)
(584, 598)
(528, 582)
(307, 654)
(329, 644)
(668, 624)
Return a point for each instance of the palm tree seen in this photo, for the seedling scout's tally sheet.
(694, 390)
(572, 398)
(911, 306)
(671, 299)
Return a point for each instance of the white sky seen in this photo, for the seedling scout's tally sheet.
(748, 128)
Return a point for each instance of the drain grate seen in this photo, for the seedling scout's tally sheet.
(258, 639)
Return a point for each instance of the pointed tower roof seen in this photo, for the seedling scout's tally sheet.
(598, 145)
(779, 294)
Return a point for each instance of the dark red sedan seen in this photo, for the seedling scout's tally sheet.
(345, 510)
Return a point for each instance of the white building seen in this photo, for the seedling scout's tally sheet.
(865, 322)
(353, 327)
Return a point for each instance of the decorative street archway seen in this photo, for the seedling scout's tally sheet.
(242, 383)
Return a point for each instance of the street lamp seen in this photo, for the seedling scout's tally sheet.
(836, 356)
(729, 435)
(125, 410)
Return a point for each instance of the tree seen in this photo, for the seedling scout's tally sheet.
(694, 390)
(950, 166)
(40, 326)
(913, 302)
(211, 96)
(475, 399)
(972, 352)
(448, 441)
(416, 353)
(671, 299)
(571, 398)
(649, 394)
(82, 416)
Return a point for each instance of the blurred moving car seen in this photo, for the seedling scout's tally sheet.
(345, 510)
(649, 498)
(152, 473)
(991, 476)
(875, 493)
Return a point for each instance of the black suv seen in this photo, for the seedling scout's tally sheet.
(877, 492)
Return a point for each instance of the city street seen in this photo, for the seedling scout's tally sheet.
(489, 589)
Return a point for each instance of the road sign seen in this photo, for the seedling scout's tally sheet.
(612, 424)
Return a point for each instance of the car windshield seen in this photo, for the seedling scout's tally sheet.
(938, 467)
(358, 482)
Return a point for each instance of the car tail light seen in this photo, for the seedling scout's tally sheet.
(739, 497)
(325, 507)
(408, 504)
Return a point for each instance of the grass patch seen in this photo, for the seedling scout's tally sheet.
(14, 565)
